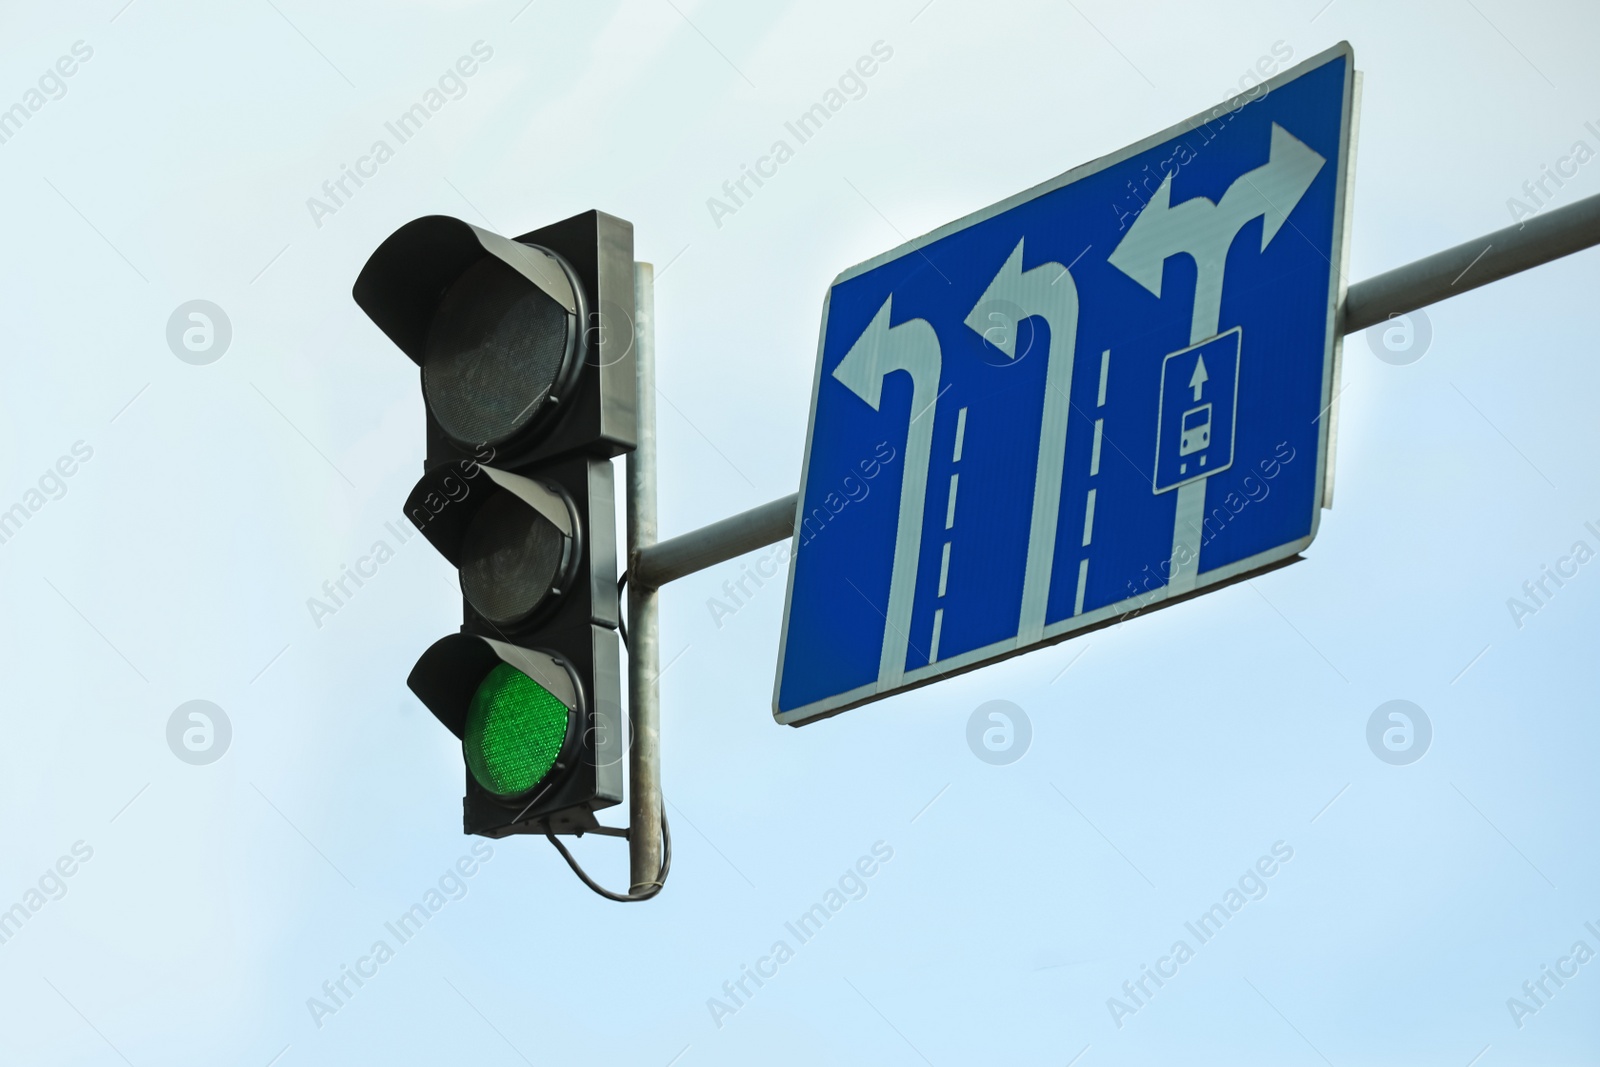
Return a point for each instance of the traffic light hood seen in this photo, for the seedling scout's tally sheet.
(449, 673)
(447, 498)
(516, 541)
(402, 284)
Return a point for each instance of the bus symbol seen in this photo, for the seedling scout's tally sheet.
(1196, 430)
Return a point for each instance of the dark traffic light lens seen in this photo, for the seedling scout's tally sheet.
(514, 733)
(496, 351)
(511, 559)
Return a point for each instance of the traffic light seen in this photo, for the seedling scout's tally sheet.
(526, 354)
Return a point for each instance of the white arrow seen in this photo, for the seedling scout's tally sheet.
(1205, 231)
(881, 350)
(1199, 378)
(1049, 292)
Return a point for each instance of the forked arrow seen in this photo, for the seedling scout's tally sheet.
(881, 350)
(1205, 231)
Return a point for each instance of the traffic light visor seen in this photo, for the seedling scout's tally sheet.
(516, 541)
(495, 324)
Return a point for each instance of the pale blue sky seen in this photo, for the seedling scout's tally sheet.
(176, 163)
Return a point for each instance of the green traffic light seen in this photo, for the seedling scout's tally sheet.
(514, 733)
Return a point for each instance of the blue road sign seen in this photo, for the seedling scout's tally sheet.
(1104, 393)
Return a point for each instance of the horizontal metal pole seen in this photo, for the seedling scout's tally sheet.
(696, 550)
(1537, 240)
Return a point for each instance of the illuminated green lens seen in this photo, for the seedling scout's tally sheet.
(515, 730)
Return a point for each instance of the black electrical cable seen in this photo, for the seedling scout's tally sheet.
(622, 623)
(666, 831)
(625, 898)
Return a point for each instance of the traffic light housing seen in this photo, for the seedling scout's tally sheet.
(525, 351)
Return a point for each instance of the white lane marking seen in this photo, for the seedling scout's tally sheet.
(1188, 516)
(949, 523)
(1094, 470)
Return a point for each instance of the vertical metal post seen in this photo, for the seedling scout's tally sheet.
(644, 648)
